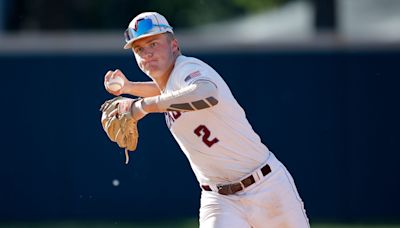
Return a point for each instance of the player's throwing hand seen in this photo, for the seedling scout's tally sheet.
(112, 74)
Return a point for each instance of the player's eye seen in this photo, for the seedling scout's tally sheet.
(139, 50)
(153, 44)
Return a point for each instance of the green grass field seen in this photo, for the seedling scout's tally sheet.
(188, 223)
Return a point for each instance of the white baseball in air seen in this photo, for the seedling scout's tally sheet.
(115, 84)
(115, 182)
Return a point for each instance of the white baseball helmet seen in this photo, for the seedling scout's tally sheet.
(144, 25)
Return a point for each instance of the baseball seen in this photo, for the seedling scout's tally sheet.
(115, 182)
(115, 84)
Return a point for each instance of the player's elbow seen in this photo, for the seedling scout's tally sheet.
(206, 93)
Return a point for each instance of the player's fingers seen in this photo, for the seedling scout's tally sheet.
(107, 78)
(118, 73)
(115, 73)
(108, 75)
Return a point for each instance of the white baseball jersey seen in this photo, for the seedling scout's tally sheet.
(219, 142)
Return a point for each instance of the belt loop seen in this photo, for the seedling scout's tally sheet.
(260, 174)
(256, 175)
(213, 188)
(242, 185)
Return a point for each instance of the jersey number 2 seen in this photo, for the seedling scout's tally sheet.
(203, 131)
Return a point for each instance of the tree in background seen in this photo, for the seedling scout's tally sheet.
(48, 15)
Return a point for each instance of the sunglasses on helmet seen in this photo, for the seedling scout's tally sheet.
(142, 27)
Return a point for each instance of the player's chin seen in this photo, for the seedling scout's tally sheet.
(152, 71)
(151, 67)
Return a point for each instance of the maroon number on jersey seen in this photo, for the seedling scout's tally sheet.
(203, 131)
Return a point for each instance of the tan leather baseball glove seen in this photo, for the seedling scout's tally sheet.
(118, 123)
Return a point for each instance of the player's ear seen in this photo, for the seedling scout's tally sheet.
(175, 45)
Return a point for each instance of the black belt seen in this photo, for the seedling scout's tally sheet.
(230, 189)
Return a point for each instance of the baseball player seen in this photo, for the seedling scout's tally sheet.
(243, 183)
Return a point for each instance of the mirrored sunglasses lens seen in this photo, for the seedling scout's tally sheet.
(143, 26)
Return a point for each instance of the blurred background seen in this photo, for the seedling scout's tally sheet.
(325, 71)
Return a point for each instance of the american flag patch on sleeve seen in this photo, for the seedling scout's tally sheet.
(192, 75)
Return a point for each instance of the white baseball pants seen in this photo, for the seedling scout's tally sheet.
(272, 202)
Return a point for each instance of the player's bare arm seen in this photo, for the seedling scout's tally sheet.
(199, 95)
(142, 89)
(139, 89)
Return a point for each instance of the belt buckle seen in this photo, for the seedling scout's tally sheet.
(227, 189)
